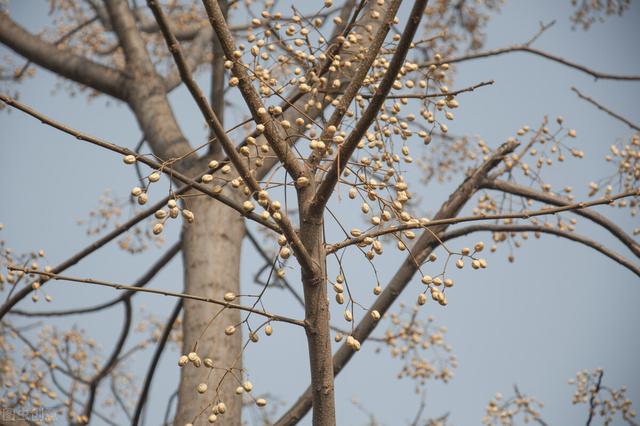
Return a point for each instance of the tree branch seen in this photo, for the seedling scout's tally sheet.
(229, 148)
(172, 173)
(153, 366)
(403, 275)
(51, 276)
(527, 49)
(450, 221)
(345, 151)
(526, 192)
(546, 230)
(140, 282)
(607, 110)
(60, 61)
(251, 97)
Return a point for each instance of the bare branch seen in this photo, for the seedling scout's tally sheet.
(527, 49)
(140, 282)
(429, 95)
(607, 110)
(60, 61)
(142, 399)
(164, 168)
(228, 305)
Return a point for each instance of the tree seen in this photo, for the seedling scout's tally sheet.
(324, 113)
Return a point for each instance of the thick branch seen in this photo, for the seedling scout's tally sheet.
(60, 61)
(227, 145)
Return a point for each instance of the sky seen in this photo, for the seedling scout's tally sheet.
(558, 309)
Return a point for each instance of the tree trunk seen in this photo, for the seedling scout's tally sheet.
(318, 333)
(211, 256)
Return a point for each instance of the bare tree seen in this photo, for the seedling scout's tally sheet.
(335, 98)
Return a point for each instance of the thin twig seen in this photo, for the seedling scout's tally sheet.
(527, 49)
(116, 286)
(607, 110)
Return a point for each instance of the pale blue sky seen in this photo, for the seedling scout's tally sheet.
(558, 309)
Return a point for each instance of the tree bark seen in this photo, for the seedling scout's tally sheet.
(211, 257)
(316, 308)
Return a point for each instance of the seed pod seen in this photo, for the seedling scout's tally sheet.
(348, 316)
(230, 296)
(353, 343)
(426, 280)
(192, 356)
(202, 388)
(459, 264)
(143, 198)
(207, 178)
(268, 330)
(136, 190)
(160, 214)
(129, 159)
(377, 290)
(154, 177)
(158, 228)
(212, 418)
(248, 386)
(208, 362)
(422, 299)
(375, 315)
(302, 182)
(229, 330)
(340, 298)
(261, 402)
(222, 408)
(213, 164)
(285, 252)
(239, 390)
(248, 206)
(188, 215)
(183, 360)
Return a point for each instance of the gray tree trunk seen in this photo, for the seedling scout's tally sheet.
(211, 256)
